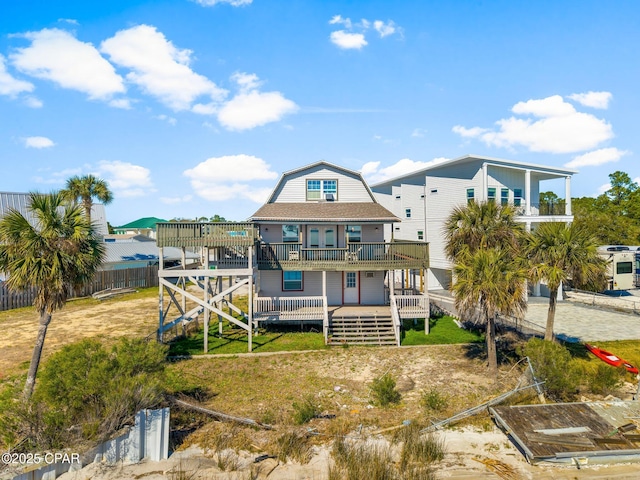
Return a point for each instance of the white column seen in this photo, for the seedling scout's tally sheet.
(485, 183)
(527, 192)
(567, 195)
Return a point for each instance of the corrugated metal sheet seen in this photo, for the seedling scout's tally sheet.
(137, 251)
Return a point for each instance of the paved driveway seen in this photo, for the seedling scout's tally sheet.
(573, 322)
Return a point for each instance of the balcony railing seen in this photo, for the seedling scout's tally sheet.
(355, 256)
(179, 234)
(544, 209)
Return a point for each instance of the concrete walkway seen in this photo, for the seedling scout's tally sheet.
(573, 322)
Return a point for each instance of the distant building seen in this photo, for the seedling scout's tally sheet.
(143, 226)
(20, 202)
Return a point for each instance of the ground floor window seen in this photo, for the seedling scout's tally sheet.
(292, 280)
(351, 280)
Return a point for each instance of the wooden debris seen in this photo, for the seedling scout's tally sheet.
(221, 416)
(560, 440)
(608, 440)
(501, 469)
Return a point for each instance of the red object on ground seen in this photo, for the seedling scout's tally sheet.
(610, 358)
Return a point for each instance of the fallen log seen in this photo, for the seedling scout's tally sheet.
(223, 417)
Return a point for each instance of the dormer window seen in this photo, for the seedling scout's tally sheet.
(322, 190)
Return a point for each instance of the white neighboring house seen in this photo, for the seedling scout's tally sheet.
(20, 202)
(424, 199)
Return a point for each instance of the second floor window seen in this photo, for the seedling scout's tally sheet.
(407, 212)
(504, 197)
(290, 233)
(517, 197)
(491, 194)
(322, 189)
(353, 233)
(470, 195)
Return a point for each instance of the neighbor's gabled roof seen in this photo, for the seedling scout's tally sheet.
(324, 212)
(470, 158)
(314, 165)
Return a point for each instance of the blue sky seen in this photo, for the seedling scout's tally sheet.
(192, 108)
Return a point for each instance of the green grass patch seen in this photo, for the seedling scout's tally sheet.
(442, 331)
(235, 340)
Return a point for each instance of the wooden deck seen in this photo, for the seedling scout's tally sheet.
(602, 432)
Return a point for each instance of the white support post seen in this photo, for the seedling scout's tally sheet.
(207, 315)
(250, 300)
(184, 280)
(485, 182)
(160, 298)
(567, 195)
(527, 192)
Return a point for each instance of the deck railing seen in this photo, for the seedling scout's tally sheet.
(196, 234)
(290, 308)
(355, 256)
(395, 317)
(413, 306)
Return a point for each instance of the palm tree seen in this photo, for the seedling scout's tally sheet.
(58, 252)
(491, 279)
(558, 252)
(85, 189)
(484, 242)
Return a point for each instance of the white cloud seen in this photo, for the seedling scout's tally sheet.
(9, 85)
(418, 132)
(559, 128)
(33, 102)
(372, 172)
(167, 118)
(176, 200)
(69, 20)
(597, 157)
(233, 3)
(125, 179)
(58, 56)
(251, 108)
(338, 20)
(38, 142)
(159, 68)
(346, 40)
(593, 99)
(123, 103)
(384, 29)
(224, 178)
(59, 178)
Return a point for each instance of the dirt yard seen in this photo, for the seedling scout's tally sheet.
(265, 387)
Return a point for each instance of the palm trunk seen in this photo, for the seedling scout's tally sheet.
(551, 314)
(45, 319)
(492, 355)
(87, 209)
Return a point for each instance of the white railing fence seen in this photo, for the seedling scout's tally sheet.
(290, 308)
(395, 317)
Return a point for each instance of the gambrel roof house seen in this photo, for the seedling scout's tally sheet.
(318, 242)
(424, 199)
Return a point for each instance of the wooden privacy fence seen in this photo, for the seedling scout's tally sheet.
(141, 277)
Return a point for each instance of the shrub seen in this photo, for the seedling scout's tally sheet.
(606, 379)
(418, 449)
(86, 391)
(304, 411)
(433, 400)
(294, 445)
(360, 461)
(384, 390)
(552, 363)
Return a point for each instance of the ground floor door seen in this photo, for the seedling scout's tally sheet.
(351, 283)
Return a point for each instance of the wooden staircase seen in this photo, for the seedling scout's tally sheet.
(361, 330)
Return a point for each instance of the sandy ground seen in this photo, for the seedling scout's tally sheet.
(471, 454)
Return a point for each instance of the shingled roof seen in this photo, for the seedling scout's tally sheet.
(324, 212)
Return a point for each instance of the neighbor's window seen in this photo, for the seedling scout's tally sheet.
(504, 196)
(517, 197)
(353, 233)
(420, 234)
(624, 267)
(290, 233)
(491, 194)
(470, 195)
(407, 212)
(291, 280)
